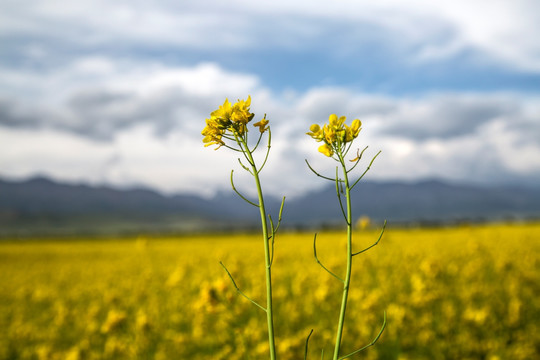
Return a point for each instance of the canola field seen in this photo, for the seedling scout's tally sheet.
(449, 293)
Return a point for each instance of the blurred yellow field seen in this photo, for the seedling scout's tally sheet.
(449, 293)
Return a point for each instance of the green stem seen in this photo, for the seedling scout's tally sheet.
(268, 267)
(347, 279)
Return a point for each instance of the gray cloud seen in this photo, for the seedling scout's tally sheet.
(101, 114)
(13, 114)
(491, 137)
(448, 116)
(418, 32)
(103, 99)
(101, 111)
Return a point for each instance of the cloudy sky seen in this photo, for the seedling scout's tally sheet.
(117, 93)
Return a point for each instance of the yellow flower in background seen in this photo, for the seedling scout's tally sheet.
(462, 282)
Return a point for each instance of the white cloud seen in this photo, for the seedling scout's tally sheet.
(133, 129)
(501, 31)
(98, 96)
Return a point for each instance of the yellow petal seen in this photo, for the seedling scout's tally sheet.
(262, 124)
(326, 150)
(314, 128)
(349, 136)
(329, 134)
(332, 119)
(355, 127)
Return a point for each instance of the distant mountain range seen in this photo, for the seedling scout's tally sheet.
(40, 206)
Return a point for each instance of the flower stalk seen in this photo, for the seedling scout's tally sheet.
(347, 279)
(337, 138)
(229, 123)
(267, 259)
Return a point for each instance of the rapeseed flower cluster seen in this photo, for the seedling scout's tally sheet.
(230, 121)
(336, 135)
(337, 138)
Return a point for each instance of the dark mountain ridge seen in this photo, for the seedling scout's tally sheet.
(42, 206)
(430, 201)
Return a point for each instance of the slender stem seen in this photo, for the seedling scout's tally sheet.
(319, 261)
(371, 343)
(267, 260)
(239, 194)
(240, 291)
(367, 169)
(307, 343)
(319, 175)
(347, 279)
(267, 150)
(375, 243)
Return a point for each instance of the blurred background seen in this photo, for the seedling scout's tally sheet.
(102, 104)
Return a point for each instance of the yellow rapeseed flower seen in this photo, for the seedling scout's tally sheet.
(240, 111)
(316, 132)
(356, 127)
(335, 134)
(336, 122)
(326, 150)
(222, 116)
(212, 133)
(231, 118)
(262, 124)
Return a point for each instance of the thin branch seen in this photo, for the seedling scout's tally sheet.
(280, 213)
(245, 133)
(369, 167)
(240, 291)
(237, 192)
(275, 228)
(267, 151)
(370, 344)
(348, 148)
(245, 167)
(272, 237)
(257, 144)
(230, 147)
(375, 243)
(357, 159)
(320, 263)
(245, 150)
(319, 175)
(339, 197)
(307, 341)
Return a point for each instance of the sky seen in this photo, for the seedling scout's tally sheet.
(117, 93)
